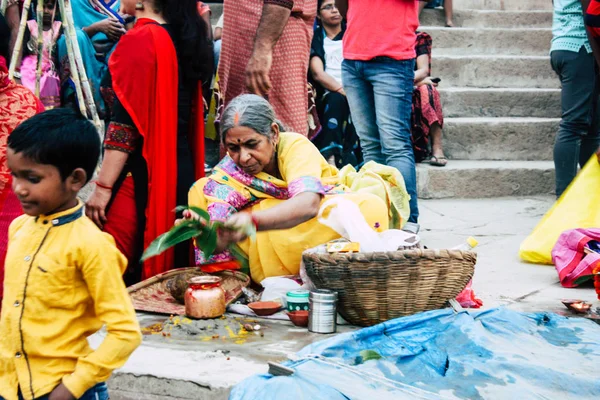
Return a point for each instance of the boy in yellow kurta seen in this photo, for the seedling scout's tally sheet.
(63, 275)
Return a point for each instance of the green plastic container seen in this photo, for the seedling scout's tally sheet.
(297, 300)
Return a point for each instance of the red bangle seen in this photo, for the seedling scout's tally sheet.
(103, 186)
(254, 221)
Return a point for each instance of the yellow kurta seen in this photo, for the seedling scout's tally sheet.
(302, 169)
(63, 282)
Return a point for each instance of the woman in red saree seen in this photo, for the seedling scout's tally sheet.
(154, 143)
(17, 104)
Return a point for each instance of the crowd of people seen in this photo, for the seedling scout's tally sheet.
(304, 88)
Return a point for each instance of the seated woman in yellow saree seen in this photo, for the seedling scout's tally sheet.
(277, 181)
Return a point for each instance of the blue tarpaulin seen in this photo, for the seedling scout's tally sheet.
(493, 354)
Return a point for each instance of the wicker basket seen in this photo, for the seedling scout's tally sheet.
(376, 287)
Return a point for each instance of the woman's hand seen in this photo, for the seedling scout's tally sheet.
(109, 26)
(61, 393)
(95, 208)
(426, 81)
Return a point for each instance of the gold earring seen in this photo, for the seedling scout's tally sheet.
(139, 5)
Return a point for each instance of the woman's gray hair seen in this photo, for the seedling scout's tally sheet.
(250, 111)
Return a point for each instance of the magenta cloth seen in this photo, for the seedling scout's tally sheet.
(569, 257)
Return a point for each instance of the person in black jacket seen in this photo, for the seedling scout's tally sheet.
(338, 137)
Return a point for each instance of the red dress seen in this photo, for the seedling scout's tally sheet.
(144, 72)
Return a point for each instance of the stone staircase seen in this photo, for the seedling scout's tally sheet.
(501, 99)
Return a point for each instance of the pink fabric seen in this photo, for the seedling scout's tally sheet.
(49, 81)
(381, 28)
(569, 258)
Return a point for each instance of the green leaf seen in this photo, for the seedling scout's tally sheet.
(367, 355)
(178, 234)
(202, 213)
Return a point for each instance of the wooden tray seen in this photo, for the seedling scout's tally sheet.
(151, 295)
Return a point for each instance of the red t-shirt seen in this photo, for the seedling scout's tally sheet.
(381, 28)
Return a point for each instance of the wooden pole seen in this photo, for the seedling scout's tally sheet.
(40, 46)
(69, 39)
(19, 43)
(89, 97)
(3, 6)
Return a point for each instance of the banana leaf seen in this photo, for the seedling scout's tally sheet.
(202, 229)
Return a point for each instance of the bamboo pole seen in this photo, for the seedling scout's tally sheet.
(3, 6)
(89, 97)
(19, 43)
(40, 46)
(74, 71)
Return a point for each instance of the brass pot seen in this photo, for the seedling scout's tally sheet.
(204, 297)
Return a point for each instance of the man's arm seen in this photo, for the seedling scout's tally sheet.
(275, 16)
(342, 6)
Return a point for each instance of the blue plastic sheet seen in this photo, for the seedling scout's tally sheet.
(494, 354)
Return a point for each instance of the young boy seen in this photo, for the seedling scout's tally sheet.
(63, 275)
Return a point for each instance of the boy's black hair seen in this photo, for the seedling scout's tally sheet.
(61, 137)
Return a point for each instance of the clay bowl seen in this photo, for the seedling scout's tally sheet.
(264, 308)
(299, 318)
(577, 306)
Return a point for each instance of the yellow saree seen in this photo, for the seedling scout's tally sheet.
(382, 200)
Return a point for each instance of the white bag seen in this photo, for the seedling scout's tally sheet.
(346, 219)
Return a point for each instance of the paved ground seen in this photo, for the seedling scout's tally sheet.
(166, 368)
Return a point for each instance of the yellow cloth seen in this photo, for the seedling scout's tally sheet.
(578, 207)
(277, 253)
(63, 281)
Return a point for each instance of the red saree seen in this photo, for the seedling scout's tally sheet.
(17, 104)
(145, 80)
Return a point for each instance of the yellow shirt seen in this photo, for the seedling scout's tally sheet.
(63, 281)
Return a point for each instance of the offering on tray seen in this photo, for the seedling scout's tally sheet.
(204, 298)
(265, 308)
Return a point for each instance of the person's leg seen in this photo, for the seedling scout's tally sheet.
(362, 106)
(591, 141)
(329, 140)
(577, 76)
(448, 12)
(392, 82)
(422, 4)
(437, 149)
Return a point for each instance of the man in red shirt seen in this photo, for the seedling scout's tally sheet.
(378, 76)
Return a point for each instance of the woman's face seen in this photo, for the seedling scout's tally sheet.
(128, 7)
(250, 150)
(329, 13)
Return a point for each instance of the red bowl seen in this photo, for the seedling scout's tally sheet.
(264, 308)
(299, 318)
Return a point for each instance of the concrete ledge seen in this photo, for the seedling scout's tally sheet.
(505, 41)
(134, 387)
(489, 18)
(495, 71)
(500, 138)
(482, 179)
(499, 102)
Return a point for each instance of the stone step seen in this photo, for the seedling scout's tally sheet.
(499, 102)
(478, 41)
(524, 5)
(495, 71)
(529, 139)
(489, 18)
(484, 179)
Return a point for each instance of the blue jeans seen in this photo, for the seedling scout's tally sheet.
(380, 96)
(98, 392)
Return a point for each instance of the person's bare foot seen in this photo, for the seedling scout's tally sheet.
(449, 24)
(438, 159)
